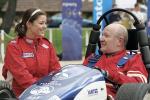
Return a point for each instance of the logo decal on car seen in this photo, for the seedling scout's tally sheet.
(42, 90)
(93, 92)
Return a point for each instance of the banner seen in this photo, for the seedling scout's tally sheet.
(100, 7)
(148, 18)
(71, 30)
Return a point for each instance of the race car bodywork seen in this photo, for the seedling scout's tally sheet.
(73, 82)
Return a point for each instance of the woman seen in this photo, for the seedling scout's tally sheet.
(30, 56)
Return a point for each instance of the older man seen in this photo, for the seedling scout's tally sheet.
(118, 65)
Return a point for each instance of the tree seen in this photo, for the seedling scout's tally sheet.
(2, 3)
(9, 16)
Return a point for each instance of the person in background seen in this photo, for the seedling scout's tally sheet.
(114, 16)
(113, 47)
(138, 13)
(30, 56)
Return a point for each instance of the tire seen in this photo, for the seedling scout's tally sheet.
(6, 91)
(134, 91)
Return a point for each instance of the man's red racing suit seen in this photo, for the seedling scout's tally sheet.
(133, 71)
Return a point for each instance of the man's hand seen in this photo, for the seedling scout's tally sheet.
(109, 73)
(105, 73)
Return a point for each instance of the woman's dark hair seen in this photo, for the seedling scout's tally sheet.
(30, 15)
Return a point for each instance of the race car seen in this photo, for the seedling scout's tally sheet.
(77, 82)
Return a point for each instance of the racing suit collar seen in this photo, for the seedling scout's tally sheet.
(114, 53)
(32, 41)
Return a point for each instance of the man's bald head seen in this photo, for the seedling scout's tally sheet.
(119, 30)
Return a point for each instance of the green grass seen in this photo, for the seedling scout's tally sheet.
(56, 39)
(9, 37)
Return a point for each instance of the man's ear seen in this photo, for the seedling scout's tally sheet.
(120, 41)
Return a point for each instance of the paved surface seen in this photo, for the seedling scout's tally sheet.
(70, 62)
(63, 63)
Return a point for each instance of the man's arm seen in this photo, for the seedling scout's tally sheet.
(135, 72)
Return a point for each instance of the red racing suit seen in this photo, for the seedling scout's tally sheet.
(29, 60)
(133, 70)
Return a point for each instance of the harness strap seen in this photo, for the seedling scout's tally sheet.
(94, 58)
(124, 59)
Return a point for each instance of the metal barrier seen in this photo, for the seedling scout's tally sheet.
(2, 45)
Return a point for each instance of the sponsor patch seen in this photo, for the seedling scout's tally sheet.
(28, 55)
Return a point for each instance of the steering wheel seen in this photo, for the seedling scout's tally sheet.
(104, 16)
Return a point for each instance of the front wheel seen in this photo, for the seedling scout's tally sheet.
(6, 92)
(134, 91)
